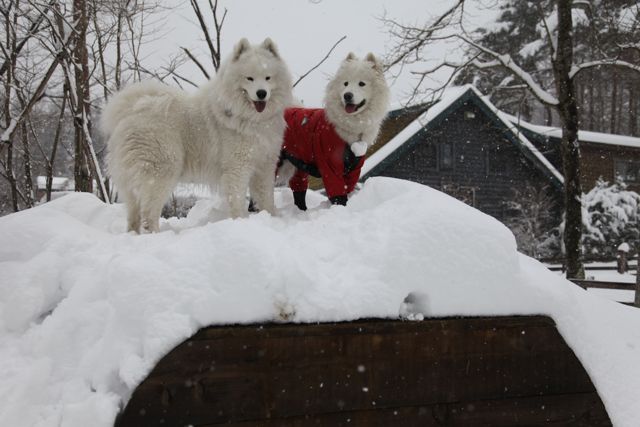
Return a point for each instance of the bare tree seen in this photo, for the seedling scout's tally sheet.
(557, 35)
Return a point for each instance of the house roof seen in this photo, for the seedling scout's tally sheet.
(583, 135)
(450, 100)
(58, 183)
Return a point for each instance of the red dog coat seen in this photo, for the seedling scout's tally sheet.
(314, 147)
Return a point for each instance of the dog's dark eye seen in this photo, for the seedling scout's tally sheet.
(250, 79)
(268, 78)
(346, 83)
(361, 84)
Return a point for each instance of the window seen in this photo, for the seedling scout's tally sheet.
(627, 170)
(446, 156)
(426, 157)
(497, 159)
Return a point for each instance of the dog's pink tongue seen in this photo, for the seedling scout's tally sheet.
(350, 108)
(260, 105)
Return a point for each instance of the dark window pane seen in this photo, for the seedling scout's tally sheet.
(497, 160)
(446, 156)
(627, 171)
(431, 156)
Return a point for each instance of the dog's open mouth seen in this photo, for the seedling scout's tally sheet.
(260, 105)
(352, 108)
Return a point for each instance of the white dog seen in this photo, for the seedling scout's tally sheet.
(331, 142)
(227, 134)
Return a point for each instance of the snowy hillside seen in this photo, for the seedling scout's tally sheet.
(86, 310)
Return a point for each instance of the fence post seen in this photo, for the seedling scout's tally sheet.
(621, 258)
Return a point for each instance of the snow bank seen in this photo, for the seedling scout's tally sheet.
(86, 310)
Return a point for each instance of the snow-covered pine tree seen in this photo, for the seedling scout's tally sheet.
(605, 95)
(610, 217)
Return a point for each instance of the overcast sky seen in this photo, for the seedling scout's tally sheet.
(304, 31)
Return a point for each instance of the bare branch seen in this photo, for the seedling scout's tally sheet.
(215, 53)
(195, 60)
(33, 29)
(576, 69)
(321, 61)
(8, 133)
(414, 39)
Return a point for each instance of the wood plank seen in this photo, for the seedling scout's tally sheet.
(562, 410)
(276, 372)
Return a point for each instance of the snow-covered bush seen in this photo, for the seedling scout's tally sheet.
(533, 219)
(610, 217)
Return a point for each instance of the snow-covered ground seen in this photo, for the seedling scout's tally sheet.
(86, 310)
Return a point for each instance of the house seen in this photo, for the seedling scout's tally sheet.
(605, 156)
(58, 184)
(464, 146)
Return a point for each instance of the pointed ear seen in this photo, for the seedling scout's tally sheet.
(242, 46)
(376, 63)
(271, 47)
(350, 57)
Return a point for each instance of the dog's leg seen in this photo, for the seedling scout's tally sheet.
(150, 209)
(234, 184)
(133, 212)
(261, 189)
(152, 199)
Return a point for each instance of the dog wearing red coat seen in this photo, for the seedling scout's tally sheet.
(331, 143)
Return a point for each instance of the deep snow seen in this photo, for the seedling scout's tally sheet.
(86, 310)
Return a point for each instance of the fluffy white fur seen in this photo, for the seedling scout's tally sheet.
(218, 136)
(362, 126)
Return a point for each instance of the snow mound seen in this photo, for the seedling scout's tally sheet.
(86, 310)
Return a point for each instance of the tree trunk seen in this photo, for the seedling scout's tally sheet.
(591, 101)
(601, 106)
(568, 110)
(613, 102)
(13, 184)
(8, 88)
(633, 112)
(28, 179)
(81, 172)
(56, 141)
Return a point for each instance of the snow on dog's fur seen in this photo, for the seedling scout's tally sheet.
(227, 135)
(355, 104)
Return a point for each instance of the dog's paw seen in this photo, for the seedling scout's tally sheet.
(359, 148)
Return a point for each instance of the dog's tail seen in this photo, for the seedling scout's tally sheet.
(123, 103)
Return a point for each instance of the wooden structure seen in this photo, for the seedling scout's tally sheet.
(602, 155)
(504, 371)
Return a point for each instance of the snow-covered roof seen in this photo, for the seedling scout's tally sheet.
(58, 183)
(449, 97)
(87, 310)
(583, 135)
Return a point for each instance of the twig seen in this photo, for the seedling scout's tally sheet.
(320, 63)
(193, 58)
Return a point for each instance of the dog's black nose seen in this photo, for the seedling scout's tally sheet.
(262, 94)
(348, 97)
